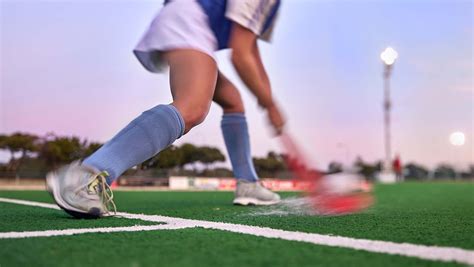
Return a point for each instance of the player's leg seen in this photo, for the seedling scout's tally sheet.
(78, 188)
(235, 131)
(227, 96)
(192, 84)
(192, 80)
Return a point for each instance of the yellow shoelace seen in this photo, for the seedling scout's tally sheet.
(99, 185)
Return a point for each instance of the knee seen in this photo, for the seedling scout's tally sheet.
(234, 106)
(194, 116)
(231, 102)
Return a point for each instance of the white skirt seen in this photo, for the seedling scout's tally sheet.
(181, 24)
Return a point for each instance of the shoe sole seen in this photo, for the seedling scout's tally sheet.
(248, 201)
(53, 189)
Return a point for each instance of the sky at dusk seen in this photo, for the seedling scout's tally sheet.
(67, 67)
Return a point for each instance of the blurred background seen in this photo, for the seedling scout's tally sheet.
(69, 82)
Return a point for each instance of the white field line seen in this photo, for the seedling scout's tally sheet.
(64, 232)
(29, 203)
(404, 249)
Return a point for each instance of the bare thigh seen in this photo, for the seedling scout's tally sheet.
(193, 76)
(227, 96)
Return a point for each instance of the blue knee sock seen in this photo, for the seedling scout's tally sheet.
(236, 136)
(144, 137)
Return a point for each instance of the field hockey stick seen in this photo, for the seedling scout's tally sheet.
(298, 165)
(322, 201)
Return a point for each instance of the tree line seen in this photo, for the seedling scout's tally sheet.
(33, 156)
(411, 170)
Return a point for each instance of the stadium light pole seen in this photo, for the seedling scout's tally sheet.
(388, 56)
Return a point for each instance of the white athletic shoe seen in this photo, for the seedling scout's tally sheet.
(80, 191)
(253, 193)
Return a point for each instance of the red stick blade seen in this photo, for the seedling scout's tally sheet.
(323, 201)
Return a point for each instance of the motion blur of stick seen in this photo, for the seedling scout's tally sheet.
(325, 195)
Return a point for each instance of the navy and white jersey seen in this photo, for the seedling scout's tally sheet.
(259, 16)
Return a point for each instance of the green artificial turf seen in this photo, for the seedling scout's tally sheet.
(430, 214)
(19, 218)
(439, 214)
(187, 247)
